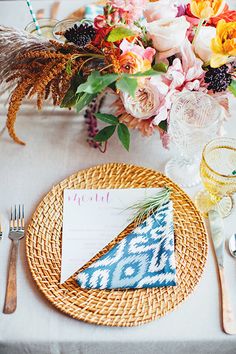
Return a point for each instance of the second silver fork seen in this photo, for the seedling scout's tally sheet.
(17, 225)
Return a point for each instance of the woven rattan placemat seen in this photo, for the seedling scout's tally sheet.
(116, 307)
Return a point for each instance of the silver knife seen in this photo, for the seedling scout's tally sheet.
(218, 238)
(0, 230)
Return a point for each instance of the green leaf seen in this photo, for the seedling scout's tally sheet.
(97, 82)
(107, 118)
(83, 100)
(71, 97)
(161, 67)
(127, 84)
(149, 72)
(69, 67)
(163, 125)
(105, 133)
(232, 87)
(119, 33)
(124, 135)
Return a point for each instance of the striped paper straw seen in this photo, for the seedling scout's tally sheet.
(34, 17)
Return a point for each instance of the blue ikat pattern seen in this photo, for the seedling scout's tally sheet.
(143, 259)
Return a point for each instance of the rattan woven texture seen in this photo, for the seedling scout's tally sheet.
(116, 307)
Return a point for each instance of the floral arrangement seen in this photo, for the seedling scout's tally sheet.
(142, 52)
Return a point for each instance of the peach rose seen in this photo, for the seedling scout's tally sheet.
(149, 100)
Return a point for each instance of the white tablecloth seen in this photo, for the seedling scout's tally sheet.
(56, 148)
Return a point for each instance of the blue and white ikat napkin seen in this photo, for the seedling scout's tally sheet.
(143, 259)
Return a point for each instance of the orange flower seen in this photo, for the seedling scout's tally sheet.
(132, 63)
(205, 9)
(224, 44)
(227, 15)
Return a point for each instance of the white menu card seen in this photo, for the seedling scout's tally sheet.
(93, 218)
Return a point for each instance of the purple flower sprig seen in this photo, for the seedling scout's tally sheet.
(92, 122)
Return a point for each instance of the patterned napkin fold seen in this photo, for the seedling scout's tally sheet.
(143, 259)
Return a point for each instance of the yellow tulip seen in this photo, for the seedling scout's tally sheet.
(224, 44)
(206, 9)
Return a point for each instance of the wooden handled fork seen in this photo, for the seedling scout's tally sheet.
(16, 234)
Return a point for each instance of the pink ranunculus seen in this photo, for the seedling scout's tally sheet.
(161, 9)
(100, 22)
(145, 53)
(134, 7)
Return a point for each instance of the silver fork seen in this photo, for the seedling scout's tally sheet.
(17, 224)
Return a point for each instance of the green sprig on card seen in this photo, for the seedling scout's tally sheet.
(148, 206)
(106, 133)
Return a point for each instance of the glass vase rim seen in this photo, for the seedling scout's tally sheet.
(71, 19)
(42, 19)
(220, 146)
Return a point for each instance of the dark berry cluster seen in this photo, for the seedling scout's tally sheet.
(81, 34)
(218, 79)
